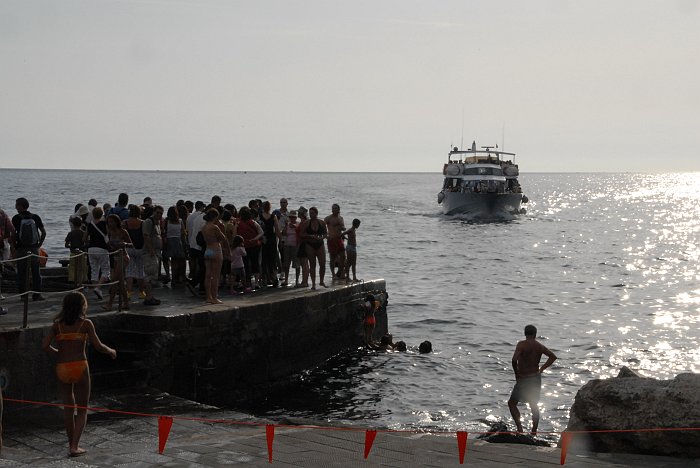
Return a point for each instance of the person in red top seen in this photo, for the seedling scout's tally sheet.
(251, 232)
(7, 237)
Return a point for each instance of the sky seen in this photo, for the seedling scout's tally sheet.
(324, 85)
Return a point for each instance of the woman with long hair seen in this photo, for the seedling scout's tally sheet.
(217, 248)
(71, 331)
(119, 240)
(313, 231)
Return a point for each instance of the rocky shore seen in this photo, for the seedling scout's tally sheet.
(653, 411)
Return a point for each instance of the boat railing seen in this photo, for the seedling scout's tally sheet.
(480, 157)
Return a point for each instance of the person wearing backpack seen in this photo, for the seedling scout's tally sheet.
(30, 234)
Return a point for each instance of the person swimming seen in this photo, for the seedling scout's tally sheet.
(425, 347)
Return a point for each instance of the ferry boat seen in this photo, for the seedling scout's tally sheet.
(481, 183)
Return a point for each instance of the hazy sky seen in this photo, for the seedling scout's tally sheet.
(349, 85)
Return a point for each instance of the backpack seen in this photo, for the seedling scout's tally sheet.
(28, 232)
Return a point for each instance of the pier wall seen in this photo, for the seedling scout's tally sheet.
(240, 348)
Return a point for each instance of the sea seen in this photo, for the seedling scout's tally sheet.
(605, 265)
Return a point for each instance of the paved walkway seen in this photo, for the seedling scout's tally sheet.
(133, 442)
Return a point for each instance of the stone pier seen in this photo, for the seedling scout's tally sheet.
(196, 350)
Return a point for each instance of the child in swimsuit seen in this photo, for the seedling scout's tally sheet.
(71, 331)
(351, 250)
(370, 307)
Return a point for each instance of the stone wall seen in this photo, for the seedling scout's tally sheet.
(204, 350)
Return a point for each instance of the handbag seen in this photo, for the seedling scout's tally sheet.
(200, 240)
(98, 230)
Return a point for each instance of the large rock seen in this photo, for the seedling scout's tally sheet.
(633, 402)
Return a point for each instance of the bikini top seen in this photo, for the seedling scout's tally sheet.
(76, 336)
(318, 231)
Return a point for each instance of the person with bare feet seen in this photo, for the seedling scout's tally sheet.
(217, 248)
(528, 375)
(351, 250)
(119, 240)
(301, 248)
(336, 249)
(313, 230)
(71, 331)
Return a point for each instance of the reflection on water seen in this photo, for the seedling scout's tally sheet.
(606, 266)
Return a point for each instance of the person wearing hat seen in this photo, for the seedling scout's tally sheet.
(81, 211)
(291, 246)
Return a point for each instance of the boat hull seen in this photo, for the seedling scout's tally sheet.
(485, 205)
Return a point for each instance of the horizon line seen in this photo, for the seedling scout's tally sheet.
(321, 172)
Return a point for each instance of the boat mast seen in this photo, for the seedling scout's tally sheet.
(461, 144)
(503, 137)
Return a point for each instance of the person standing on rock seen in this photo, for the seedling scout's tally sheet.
(528, 376)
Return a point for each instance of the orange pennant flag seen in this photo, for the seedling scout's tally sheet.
(270, 432)
(164, 425)
(369, 440)
(565, 440)
(462, 444)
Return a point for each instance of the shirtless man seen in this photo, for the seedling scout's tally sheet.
(528, 376)
(336, 225)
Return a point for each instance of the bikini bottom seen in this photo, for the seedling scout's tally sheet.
(71, 372)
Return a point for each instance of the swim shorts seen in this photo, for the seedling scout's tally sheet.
(527, 388)
(335, 245)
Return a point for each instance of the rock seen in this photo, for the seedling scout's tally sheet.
(627, 372)
(633, 402)
(503, 435)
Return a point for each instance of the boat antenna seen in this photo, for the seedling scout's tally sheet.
(461, 144)
(503, 137)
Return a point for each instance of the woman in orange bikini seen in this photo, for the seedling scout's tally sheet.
(70, 332)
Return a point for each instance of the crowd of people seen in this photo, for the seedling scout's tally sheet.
(205, 247)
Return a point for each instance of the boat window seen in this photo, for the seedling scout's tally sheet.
(451, 183)
(484, 171)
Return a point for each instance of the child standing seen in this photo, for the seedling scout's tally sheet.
(351, 250)
(70, 332)
(237, 264)
(76, 241)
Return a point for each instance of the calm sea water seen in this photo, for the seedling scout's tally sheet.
(605, 265)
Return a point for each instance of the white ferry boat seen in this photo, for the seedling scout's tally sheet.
(481, 183)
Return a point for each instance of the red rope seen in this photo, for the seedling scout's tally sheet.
(334, 428)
